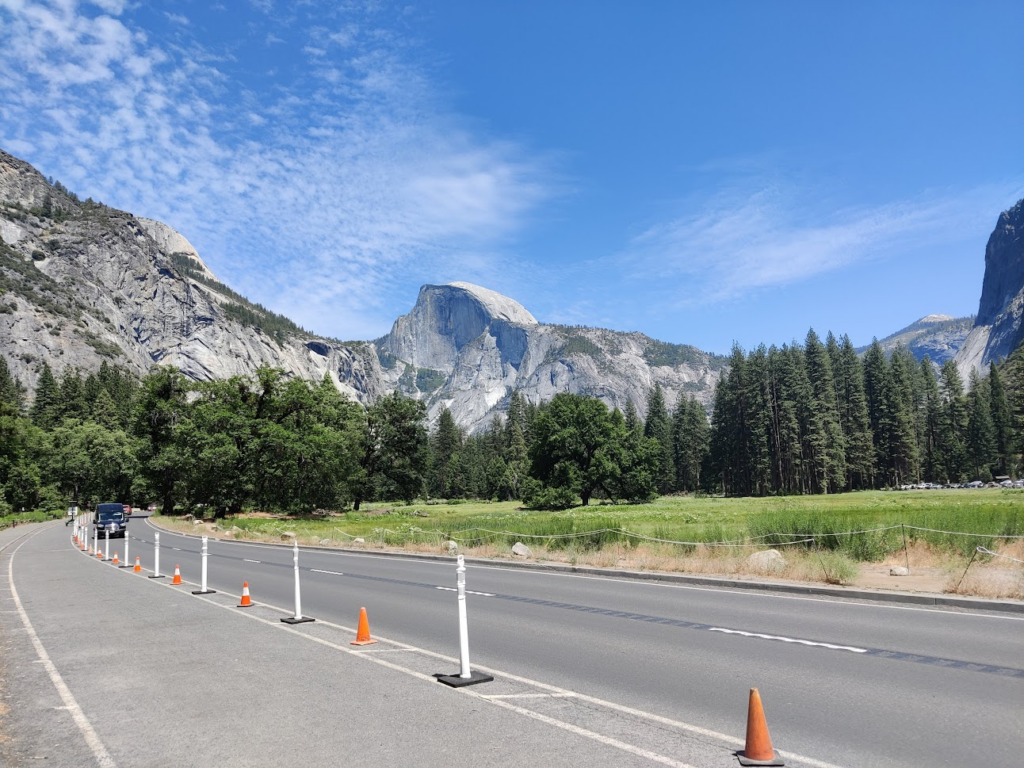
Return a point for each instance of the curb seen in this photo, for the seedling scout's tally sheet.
(906, 598)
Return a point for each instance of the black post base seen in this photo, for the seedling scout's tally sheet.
(205, 592)
(157, 577)
(293, 620)
(458, 682)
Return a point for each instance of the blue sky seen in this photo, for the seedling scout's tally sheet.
(704, 173)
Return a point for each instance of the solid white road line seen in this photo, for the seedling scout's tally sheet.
(247, 560)
(331, 573)
(788, 639)
(103, 758)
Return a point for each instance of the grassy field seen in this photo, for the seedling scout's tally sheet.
(692, 521)
(834, 539)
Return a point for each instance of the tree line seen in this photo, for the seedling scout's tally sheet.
(818, 418)
(810, 418)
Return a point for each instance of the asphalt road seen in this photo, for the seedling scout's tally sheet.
(843, 683)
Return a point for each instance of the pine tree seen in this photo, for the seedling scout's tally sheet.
(980, 441)
(853, 416)
(953, 431)
(658, 427)
(1002, 421)
(72, 403)
(44, 407)
(632, 419)
(824, 438)
(445, 444)
(690, 436)
(931, 451)
(758, 422)
(104, 412)
(900, 422)
(11, 391)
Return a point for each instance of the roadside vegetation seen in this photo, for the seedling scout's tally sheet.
(640, 536)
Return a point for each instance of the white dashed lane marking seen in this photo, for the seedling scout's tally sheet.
(788, 640)
(331, 573)
(468, 591)
(247, 560)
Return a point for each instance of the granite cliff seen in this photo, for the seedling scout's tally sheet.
(81, 283)
(938, 337)
(998, 329)
(467, 348)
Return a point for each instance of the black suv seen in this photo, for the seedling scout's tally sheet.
(111, 517)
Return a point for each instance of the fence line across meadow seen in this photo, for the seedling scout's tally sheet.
(465, 535)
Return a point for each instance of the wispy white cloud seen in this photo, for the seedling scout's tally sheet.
(177, 18)
(320, 196)
(757, 236)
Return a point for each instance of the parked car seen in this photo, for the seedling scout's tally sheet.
(111, 517)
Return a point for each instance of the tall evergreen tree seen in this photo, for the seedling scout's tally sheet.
(632, 418)
(953, 430)
(445, 444)
(853, 416)
(825, 445)
(1002, 421)
(658, 427)
(980, 439)
(44, 411)
(931, 450)
(690, 436)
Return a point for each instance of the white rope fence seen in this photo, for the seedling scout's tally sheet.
(486, 534)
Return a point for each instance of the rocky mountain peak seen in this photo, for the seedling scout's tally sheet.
(1004, 264)
(999, 328)
(448, 317)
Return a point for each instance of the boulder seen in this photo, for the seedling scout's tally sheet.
(452, 547)
(768, 561)
(521, 550)
(325, 542)
(358, 540)
(899, 570)
(287, 536)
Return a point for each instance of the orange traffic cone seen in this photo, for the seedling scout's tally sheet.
(363, 632)
(246, 600)
(177, 576)
(758, 748)
(138, 565)
(115, 561)
(98, 553)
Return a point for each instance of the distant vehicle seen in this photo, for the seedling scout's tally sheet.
(111, 517)
(1007, 484)
(975, 484)
(127, 509)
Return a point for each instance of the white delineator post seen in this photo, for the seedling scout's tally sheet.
(106, 548)
(125, 564)
(95, 540)
(298, 618)
(206, 553)
(156, 557)
(460, 582)
(466, 676)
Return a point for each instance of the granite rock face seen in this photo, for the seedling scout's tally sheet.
(466, 348)
(998, 329)
(83, 283)
(939, 337)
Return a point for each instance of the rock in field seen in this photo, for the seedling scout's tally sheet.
(768, 561)
(452, 547)
(521, 550)
(899, 570)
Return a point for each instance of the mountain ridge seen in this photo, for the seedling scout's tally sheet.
(83, 283)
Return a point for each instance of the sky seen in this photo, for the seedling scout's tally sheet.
(706, 173)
